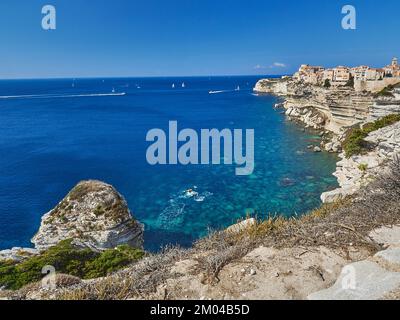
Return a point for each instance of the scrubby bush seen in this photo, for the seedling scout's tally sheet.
(67, 259)
(327, 83)
(355, 144)
(363, 167)
(350, 82)
(111, 260)
(386, 92)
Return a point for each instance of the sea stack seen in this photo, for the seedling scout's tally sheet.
(94, 215)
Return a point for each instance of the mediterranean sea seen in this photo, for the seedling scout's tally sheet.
(55, 133)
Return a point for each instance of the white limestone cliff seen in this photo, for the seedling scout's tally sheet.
(95, 215)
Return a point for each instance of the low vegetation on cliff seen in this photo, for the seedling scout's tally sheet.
(354, 144)
(67, 259)
(387, 92)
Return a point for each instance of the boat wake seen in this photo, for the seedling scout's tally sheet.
(219, 91)
(56, 96)
(224, 91)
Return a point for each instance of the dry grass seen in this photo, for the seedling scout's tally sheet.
(338, 226)
(137, 281)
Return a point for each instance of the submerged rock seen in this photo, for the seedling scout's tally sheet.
(95, 215)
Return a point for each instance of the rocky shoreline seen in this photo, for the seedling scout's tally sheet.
(333, 112)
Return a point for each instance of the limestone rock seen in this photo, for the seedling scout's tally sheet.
(17, 254)
(390, 257)
(364, 280)
(386, 236)
(337, 194)
(95, 215)
(238, 227)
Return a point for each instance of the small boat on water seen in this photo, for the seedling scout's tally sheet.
(214, 92)
(173, 86)
(113, 90)
(183, 85)
(237, 88)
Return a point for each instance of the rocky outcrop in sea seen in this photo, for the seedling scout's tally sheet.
(93, 214)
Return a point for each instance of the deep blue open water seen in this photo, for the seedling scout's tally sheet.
(62, 132)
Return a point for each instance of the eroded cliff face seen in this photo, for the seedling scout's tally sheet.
(357, 171)
(385, 105)
(342, 107)
(336, 109)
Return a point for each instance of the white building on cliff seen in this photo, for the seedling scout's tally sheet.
(365, 77)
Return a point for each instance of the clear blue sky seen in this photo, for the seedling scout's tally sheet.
(192, 37)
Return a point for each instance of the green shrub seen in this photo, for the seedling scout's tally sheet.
(83, 263)
(355, 144)
(111, 260)
(350, 82)
(363, 167)
(327, 83)
(386, 92)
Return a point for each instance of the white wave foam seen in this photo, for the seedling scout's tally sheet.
(55, 96)
(172, 215)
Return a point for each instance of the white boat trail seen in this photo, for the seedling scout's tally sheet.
(55, 96)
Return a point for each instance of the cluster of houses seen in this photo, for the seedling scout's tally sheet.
(341, 75)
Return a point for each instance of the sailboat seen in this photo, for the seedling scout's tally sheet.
(113, 90)
(237, 88)
(173, 86)
(183, 84)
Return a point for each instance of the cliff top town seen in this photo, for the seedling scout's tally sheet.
(364, 77)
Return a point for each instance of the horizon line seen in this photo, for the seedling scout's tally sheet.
(144, 77)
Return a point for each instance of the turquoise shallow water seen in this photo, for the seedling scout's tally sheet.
(62, 134)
